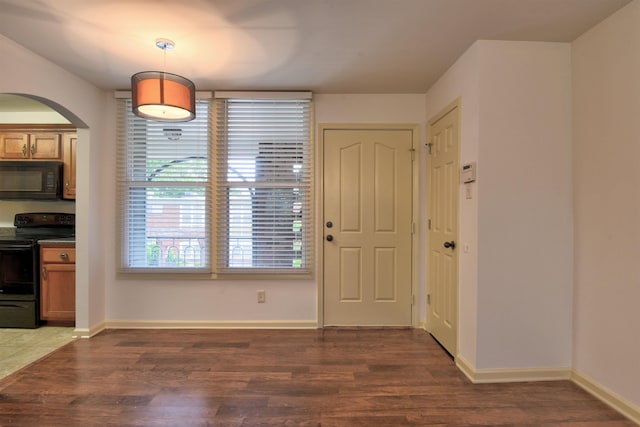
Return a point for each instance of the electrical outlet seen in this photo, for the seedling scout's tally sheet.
(262, 297)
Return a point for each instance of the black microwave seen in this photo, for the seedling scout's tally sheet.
(30, 180)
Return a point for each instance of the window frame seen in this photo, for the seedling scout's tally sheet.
(308, 270)
(213, 271)
(127, 178)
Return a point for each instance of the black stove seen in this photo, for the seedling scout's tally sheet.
(20, 261)
(41, 225)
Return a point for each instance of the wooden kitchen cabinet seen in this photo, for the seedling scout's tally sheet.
(69, 168)
(45, 146)
(12, 145)
(43, 142)
(58, 283)
(26, 145)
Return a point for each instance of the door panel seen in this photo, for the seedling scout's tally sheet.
(384, 186)
(350, 274)
(368, 200)
(349, 185)
(385, 269)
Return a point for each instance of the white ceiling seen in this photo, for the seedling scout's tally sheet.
(329, 46)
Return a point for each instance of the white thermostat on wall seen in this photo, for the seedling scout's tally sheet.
(468, 172)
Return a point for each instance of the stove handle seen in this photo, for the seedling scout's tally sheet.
(12, 247)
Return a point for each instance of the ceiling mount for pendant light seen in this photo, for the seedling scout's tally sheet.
(162, 96)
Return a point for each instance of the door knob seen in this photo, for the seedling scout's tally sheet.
(329, 237)
(450, 244)
(329, 224)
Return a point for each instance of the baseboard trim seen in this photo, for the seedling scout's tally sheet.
(188, 324)
(621, 405)
(89, 332)
(480, 376)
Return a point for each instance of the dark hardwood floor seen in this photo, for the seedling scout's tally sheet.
(232, 378)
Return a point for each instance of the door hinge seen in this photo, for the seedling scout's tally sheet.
(429, 145)
(413, 154)
(429, 223)
(429, 299)
(413, 228)
(413, 299)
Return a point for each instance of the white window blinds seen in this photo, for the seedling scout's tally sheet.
(264, 185)
(164, 190)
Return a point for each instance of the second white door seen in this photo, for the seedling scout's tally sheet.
(442, 308)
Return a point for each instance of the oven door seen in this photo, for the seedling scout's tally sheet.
(18, 271)
(19, 307)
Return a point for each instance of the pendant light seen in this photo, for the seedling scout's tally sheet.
(162, 96)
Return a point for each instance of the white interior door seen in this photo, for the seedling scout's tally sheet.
(367, 227)
(442, 300)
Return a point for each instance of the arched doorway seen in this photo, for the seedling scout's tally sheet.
(24, 110)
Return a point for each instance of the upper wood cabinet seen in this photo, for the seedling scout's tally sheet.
(14, 145)
(26, 145)
(69, 168)
(45, 146)
(35, 142)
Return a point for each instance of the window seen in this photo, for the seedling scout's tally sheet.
(263, 180)
(257, 175)
(164, 191)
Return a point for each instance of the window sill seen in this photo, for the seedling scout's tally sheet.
(147, 275)
(262, 276)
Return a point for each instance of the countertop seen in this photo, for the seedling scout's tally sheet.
(7, 232)
(65, 240)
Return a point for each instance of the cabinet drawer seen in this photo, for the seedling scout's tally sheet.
(58, 255)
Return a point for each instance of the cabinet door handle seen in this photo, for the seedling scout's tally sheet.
(24, 150)
(44, 273)
(64, 256)
(66, 186)
(33, 149)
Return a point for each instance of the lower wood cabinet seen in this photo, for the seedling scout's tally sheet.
(58, 282)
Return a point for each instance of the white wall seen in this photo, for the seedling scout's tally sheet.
(83, 104)
(227, 301)
(29, 117)
(606, 128)
(516, 281)
(524, 206)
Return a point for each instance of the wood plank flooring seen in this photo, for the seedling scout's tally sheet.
(247, 378)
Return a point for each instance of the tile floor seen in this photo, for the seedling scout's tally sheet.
(20, 347)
